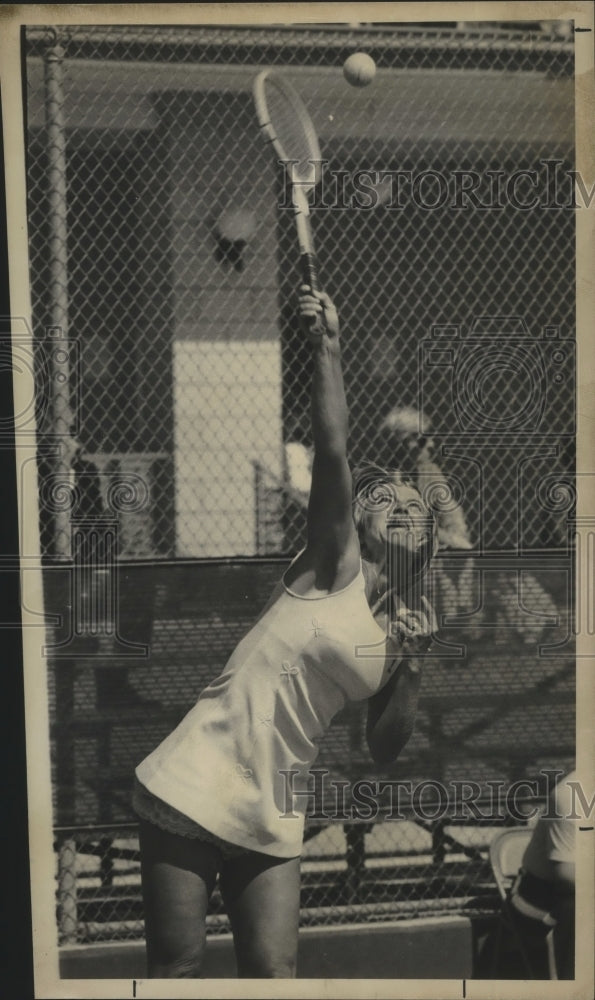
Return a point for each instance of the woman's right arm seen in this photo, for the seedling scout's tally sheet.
(392, 710)
(331, 557)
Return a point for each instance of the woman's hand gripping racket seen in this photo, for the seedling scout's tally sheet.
(318, 315)
(286, 123)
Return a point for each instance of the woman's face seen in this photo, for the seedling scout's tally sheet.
(397, 518)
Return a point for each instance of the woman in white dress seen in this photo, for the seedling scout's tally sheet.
(348, 622)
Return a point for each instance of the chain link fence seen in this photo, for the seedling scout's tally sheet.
(178, 267)
(351, 873)
(171, 369)
(499, 712)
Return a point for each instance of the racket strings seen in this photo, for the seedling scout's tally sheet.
(294, 131)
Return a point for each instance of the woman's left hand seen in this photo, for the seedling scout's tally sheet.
(414, 629)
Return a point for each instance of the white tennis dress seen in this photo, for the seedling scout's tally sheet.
(227, 765)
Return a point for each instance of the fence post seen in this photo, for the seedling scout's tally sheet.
(439, 842)
(106, 862)
(62, 415)
(67, 892)
(356, 858)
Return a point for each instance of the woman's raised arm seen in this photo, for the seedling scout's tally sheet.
(331, 557)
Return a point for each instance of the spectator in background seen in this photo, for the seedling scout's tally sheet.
(298, 462)
(543, 894)
(404, 443)
(297, 483)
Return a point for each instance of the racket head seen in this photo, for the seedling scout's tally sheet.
(283, 117)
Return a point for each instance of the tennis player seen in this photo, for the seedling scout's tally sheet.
(348, 622)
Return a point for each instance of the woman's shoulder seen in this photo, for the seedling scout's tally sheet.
(312, 574)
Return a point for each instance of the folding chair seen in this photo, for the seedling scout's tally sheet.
(506, 854)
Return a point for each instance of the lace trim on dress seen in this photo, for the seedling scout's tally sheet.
(154, 810)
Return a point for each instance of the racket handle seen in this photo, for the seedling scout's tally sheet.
(310, 271)
(310, 278)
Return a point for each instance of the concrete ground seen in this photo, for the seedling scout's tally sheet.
(425, 948)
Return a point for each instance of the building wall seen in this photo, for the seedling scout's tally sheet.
(226, 349)
(221, 335)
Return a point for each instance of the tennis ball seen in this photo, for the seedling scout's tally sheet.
(359, 69)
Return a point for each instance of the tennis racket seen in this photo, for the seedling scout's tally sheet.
(286, 124)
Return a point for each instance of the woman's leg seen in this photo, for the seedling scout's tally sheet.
(262, 898)
(178, 876)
